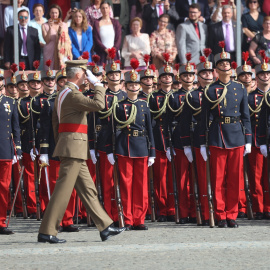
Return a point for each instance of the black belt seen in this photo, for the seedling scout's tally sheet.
(23, 57)
(227, 119)
(136, 133)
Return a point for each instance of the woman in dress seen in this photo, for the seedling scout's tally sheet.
(81, 35)
(161, 41)
(55, 34)
(106, 34)
(136, 45)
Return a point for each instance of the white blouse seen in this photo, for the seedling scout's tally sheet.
(107, 35)
(79, 37)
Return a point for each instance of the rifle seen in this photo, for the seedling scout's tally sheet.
(11, 191)
(195, 179)
(46, 178)
(152, 193)
(24, 206)
(249, 203)
(209, 189)
(175, 191)
(268, 152)
(116, 181)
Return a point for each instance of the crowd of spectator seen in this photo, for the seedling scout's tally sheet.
(60, 29)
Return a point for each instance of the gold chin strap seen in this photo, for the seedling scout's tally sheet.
(222, 97)
(131, 118)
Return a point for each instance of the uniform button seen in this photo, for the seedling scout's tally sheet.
(235, 106)
(141, 105)
(235, 94)
(220, 106)
(129, 130)
(8, 132)
(160, 119)
(142, 110)
(143, 120)
(8, 119)
(236, 100)
(221, 112)
(235, 111)
(7, 125)
(257, 120)
(234, 88)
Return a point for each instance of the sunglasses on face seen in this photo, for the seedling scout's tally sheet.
(23, 17)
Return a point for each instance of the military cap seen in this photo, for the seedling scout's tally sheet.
(21, 78)
(264, 67)
(1, 73)
(11, 80)
(155, 80)
(246, 68)
(205, 64)
(188, 67)
(61, 74)
(133, 76)
(34, 77)
(93, 67)
(77, 64)
(166, 69)
(146, 73)
(48, 74)
(223, 56)
(113, 66)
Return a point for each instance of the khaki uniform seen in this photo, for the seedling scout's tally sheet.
(72, 149)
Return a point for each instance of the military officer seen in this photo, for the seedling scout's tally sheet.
(70, 131)
(228, 141)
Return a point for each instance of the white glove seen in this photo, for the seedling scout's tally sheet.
(188, 153)
(247, 149)
(93, 156)
(91, 77)
(263, 149)
(168, 154)
(203, 152)
(44, 159)
(151, 161)
(33, 155)
(111, 158)
(14, 160)
(19, 157)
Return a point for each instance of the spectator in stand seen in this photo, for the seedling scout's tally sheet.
(9, 13)
(38, 11)
(106, 33)
(55, 34)
(174, 16)
(224, 30)
(217, 11)
(191, 36)
(93, 11)
(81, 35)
(137, 11)
(252, 23)
(29, 46)
(182, 7)
(161, 41)
(266, 7)
(32, 3)
(3, 5)
(136, 45)
(261, 41)
(63, 4)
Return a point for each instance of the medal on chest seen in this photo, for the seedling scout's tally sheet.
(7, 107)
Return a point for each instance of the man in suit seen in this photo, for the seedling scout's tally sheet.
(224, 30)
(69, 120)
(182, 7)
(29, 46)
(191, 36)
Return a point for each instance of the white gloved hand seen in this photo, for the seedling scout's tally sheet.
(168, 154)
(33, 155)
(19, 157)
(93, 156)
(151, 161)
(44, 159)
(14, 160)
(91, 77)
(263, 149)
(188, 153)
(247, 149)
(203, 152)
(111, 158)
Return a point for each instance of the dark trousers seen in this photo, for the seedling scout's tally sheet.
(26, 61)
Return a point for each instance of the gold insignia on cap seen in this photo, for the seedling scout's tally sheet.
(133, 77)
(13, 80)
(49, 73)
(113, 66)
(64, 73)
(24, 77)
(167, 69)
(207, 65)
(188, 67)
(36, 76)
(223, 55)
(96, 69)
(177, 77)
(264, 67)
(245, 68)
(155, 79)
(147, 72)
(1, 72)
(104, 78)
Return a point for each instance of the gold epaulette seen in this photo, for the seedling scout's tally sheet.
(240, 83)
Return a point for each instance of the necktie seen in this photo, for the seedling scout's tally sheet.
(24, 41)
(228, 38)
(197, 30)
(160, 12)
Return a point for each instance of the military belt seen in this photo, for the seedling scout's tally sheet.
(136, 133)
(227, 119)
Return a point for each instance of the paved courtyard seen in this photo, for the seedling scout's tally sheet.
(163, 246)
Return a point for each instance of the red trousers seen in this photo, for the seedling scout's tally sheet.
(133, 188)
(242, 206)
(258, 180)
(16, 176)
(226, 188)
(43, 190)
(53, 176)
(183, 173)
(106, 175)
(29, 183)
(202, 184)
(5, 177)
(163, 184)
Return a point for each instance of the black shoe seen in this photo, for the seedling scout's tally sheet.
(60, 229)
(241, 215)
(171, 218)
(183, 220)
(84, 220)
(192, 220)
(43, 238)
(128, 227)
(205, 222)
(70, 228)
(140, 227)
(116, 224)
(232, 223)
(259, 216)
(222, 223)
(110, 231)
(162, 218)
(33, 216)
(266, 215)
(19, 214)
(5, 230)
(148, 217)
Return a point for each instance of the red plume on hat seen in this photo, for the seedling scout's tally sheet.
(134, 63)
(22, 65)
(245, 56)
(14, 68)
(207, 52)
(36, 64)
(146, 59)
(177, 66)
(117, 61)
(249, 62)
(193, 64)
(202, 59)
(221, 44)
(166, 57)
(85, 55)
(96, 58)
(92, 64)
(48, 63)
(112, 53)
(234, 65)
(188, 56)
(263, 56)
(153, 67)
(104, 66)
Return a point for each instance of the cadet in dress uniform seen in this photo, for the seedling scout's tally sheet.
(229, 132)
(132, 116)
(11, 88)
(162, 168)
(10, 136)
(176, 79)
(183, 155)
(259, 106)
(191, 115)
(70, 131)
(61, 78)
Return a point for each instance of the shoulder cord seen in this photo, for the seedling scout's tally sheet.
(131, 118)
(21, 114)
(162, 109)
(31, 107)
(266, 100)
(259, 107)
(197, 110)
(109, 111)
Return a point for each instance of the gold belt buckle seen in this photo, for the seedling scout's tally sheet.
(227, 120)
(98, 127)
(135, 133)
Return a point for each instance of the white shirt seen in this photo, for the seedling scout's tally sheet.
(79, 37)
(232, 37)
(21, 30)
(107, 35)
